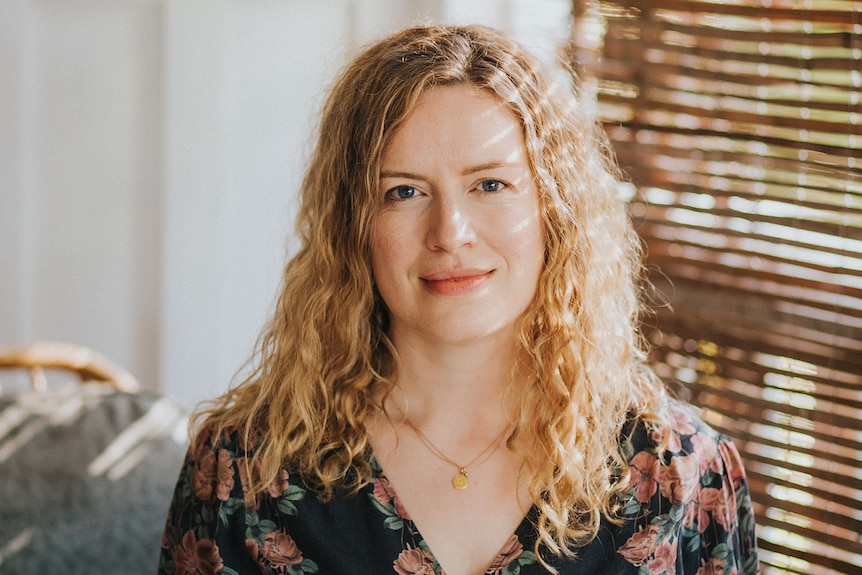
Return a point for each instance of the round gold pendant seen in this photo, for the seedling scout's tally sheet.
(460, 481)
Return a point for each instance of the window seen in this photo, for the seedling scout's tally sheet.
(739, 124)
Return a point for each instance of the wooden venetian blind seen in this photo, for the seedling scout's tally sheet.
(738, 124)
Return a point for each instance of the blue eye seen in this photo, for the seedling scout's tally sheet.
(491, 185)
(401, 193)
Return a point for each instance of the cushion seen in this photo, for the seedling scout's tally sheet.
(86, 476)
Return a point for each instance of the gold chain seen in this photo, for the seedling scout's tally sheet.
(461, 479)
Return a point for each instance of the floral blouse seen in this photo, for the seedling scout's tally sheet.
(687, 513)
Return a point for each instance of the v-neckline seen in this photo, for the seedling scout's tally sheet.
(505, 549)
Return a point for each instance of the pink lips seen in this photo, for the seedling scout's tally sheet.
(456, 282)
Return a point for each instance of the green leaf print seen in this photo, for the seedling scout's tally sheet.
(307, 566)
(677, 512)
(394, 523)
(388, 510)
(286, 506)
(750, 564)
(632, 508)
(720, 551)
(288, 497)
(251, 519)
(293, 493)
(693, 543)
(526, 557)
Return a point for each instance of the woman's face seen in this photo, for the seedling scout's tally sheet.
(457, 245)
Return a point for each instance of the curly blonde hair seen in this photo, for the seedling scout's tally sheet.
(307, 400)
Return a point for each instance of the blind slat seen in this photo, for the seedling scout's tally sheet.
(755, 34)
(776, 140)
(740, 126)
(768, 248)
(755, 11)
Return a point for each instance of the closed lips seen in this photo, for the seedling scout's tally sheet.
(455, 284)
(464, 275)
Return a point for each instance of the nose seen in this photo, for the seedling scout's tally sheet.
(451, 226)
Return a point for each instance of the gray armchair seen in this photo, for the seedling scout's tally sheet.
(86, 475)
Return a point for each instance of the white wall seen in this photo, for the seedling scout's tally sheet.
(149, 155)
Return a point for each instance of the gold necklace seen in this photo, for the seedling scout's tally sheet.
(460, 480)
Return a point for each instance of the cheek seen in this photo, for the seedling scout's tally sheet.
(525, 237)
(379, 256)
(387, 250)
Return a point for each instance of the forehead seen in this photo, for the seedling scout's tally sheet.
(457, 122)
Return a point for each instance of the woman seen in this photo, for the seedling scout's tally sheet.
(453, 379)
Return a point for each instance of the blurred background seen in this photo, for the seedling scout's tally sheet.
(150, 154)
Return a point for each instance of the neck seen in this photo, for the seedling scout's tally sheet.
(465, 388)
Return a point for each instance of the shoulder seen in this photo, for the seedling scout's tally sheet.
(686, 491)
(210, 467)
(678, 435)
(679, 460)
(214, 440)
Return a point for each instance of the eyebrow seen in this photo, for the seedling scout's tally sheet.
(470, 170)
(403, 175)
(488, 166)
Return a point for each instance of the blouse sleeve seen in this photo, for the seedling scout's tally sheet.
(735, 512)
(689, 505)
(204, 532)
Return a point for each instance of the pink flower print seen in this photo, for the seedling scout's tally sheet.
(385, 494)
(413, 562)
(204, 477)
(197, 557)
(644, 468)
(225, 475)
(694, 513)
(640, 546)
(706, 450)
(511, 551)
(733, 463)
(681, 420)
(280, 485)
(253, 551)
(674, 445)
(280, 549)
(680, 479)
(664, 559)
(680, 424)
(724, 511)
(244, 442)
(242, 465)
(715, 566)
(699, 510)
